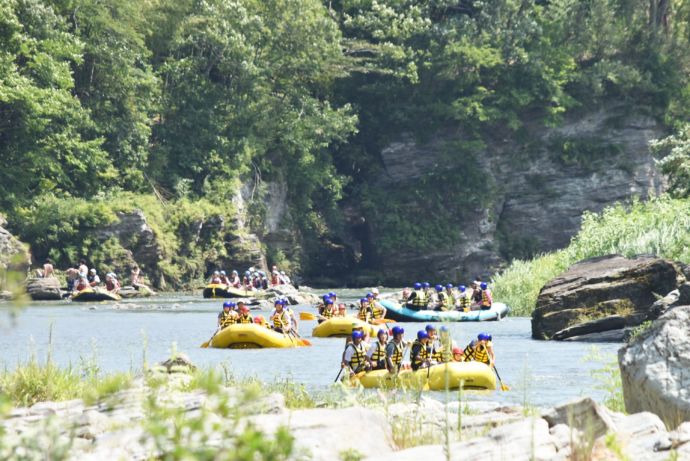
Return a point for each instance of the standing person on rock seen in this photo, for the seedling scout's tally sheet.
(83, 268)
(395, 350)
(134, 273)
(48, 270)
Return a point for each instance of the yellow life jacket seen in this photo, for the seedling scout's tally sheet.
(422, 356)
(446, 350)
(444, 301)
(380, 352)
(437, 351)
(279, 321)
(476, 352)
(420, 299)
(327, 312)
(364, 314)
(398, 351)
(245, 319)
(359, 357)
(377, 311)
(227, 319)
(465, 302)
(486, 300)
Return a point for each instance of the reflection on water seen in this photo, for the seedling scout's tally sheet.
(540, 373)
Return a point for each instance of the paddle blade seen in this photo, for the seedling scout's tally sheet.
(204, 345)
(306, 342)
(307, 316)
(505, 387)
(382, 321)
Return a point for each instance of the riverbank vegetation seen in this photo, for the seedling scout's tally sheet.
(660, 227)
(180, 103)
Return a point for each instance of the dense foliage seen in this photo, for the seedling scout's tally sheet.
(187, 99)
(658, 227)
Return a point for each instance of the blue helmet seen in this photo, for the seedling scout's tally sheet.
(332, 294)
(438, 288)
(417, 285)
(398, 330)
(489, 338)
(363, 300)
(279, 301)
(483, 336)
(381, 332)
(328, 301)
(421, 334)
(370, 295)
(426, 284)
(227, 304)
(449, 286)
(430, 327)
(325, 298)
(444, 329)
(462, 288)
(357, 334)
(483, 285)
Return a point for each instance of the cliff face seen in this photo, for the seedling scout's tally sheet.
(533, 191)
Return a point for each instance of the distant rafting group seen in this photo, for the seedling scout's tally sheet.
(374, 353)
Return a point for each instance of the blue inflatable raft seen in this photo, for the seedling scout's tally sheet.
(395, 311)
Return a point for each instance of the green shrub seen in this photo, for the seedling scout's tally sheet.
(660, 226)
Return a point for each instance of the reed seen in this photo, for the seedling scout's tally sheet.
(660, 226)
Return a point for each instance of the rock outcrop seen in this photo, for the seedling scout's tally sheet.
(531, 198)
(14, 256)
(602, 294)
(44, 289)
(655, 368)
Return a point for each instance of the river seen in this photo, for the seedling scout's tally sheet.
(118, 336)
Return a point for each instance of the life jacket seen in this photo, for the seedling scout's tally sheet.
(437, 351)
(380, 352)
(420, 300)
(465, 302)
(111, 285)
(327, 311)
(445, 353)
(82, 285)
(398, 351)
(419, 355)
(486, 298)
(444, 301)
(281, 320)
(377, 311)
(364, 314)
(227, 319)
(359, 357)
(476, 352)
(245, 319)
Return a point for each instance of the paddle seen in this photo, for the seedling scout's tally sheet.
(205, 344)
(503, 386)
(339, 373)
(307, 316)
(382, 321)
(305, 342)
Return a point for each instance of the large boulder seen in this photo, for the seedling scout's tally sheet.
(44, 289)
(602, 294)
(654, 368)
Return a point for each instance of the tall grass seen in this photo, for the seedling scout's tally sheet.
(660, 226)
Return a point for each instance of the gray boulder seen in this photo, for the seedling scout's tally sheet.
(44, 289)
(654, 368)
(602, 294)
(14, 255)
(583, 414)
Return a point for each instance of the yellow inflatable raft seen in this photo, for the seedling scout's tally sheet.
(341, 326)
(252, 336)
(95, 294)
(471, 375)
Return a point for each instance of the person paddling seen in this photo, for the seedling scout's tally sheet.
(281, 320)
(395, 350)
(479, 350)
(354, 356)
(417, 300)
(419, 354)
(377, 310)
(244, 316)
(465, 299)
(364, 314)
(226, 316)
(487, 299)
(376, 354)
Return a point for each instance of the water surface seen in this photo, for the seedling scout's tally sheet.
(118, 335)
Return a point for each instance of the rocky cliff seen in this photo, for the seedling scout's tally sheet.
(14, 258)
(527, 193)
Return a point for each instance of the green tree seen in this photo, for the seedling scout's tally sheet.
(48, 141)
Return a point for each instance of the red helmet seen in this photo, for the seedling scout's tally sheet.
(259, 319)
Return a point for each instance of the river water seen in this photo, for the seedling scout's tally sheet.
(119, 336)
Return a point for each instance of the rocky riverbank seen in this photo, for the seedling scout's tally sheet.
(174, 414)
